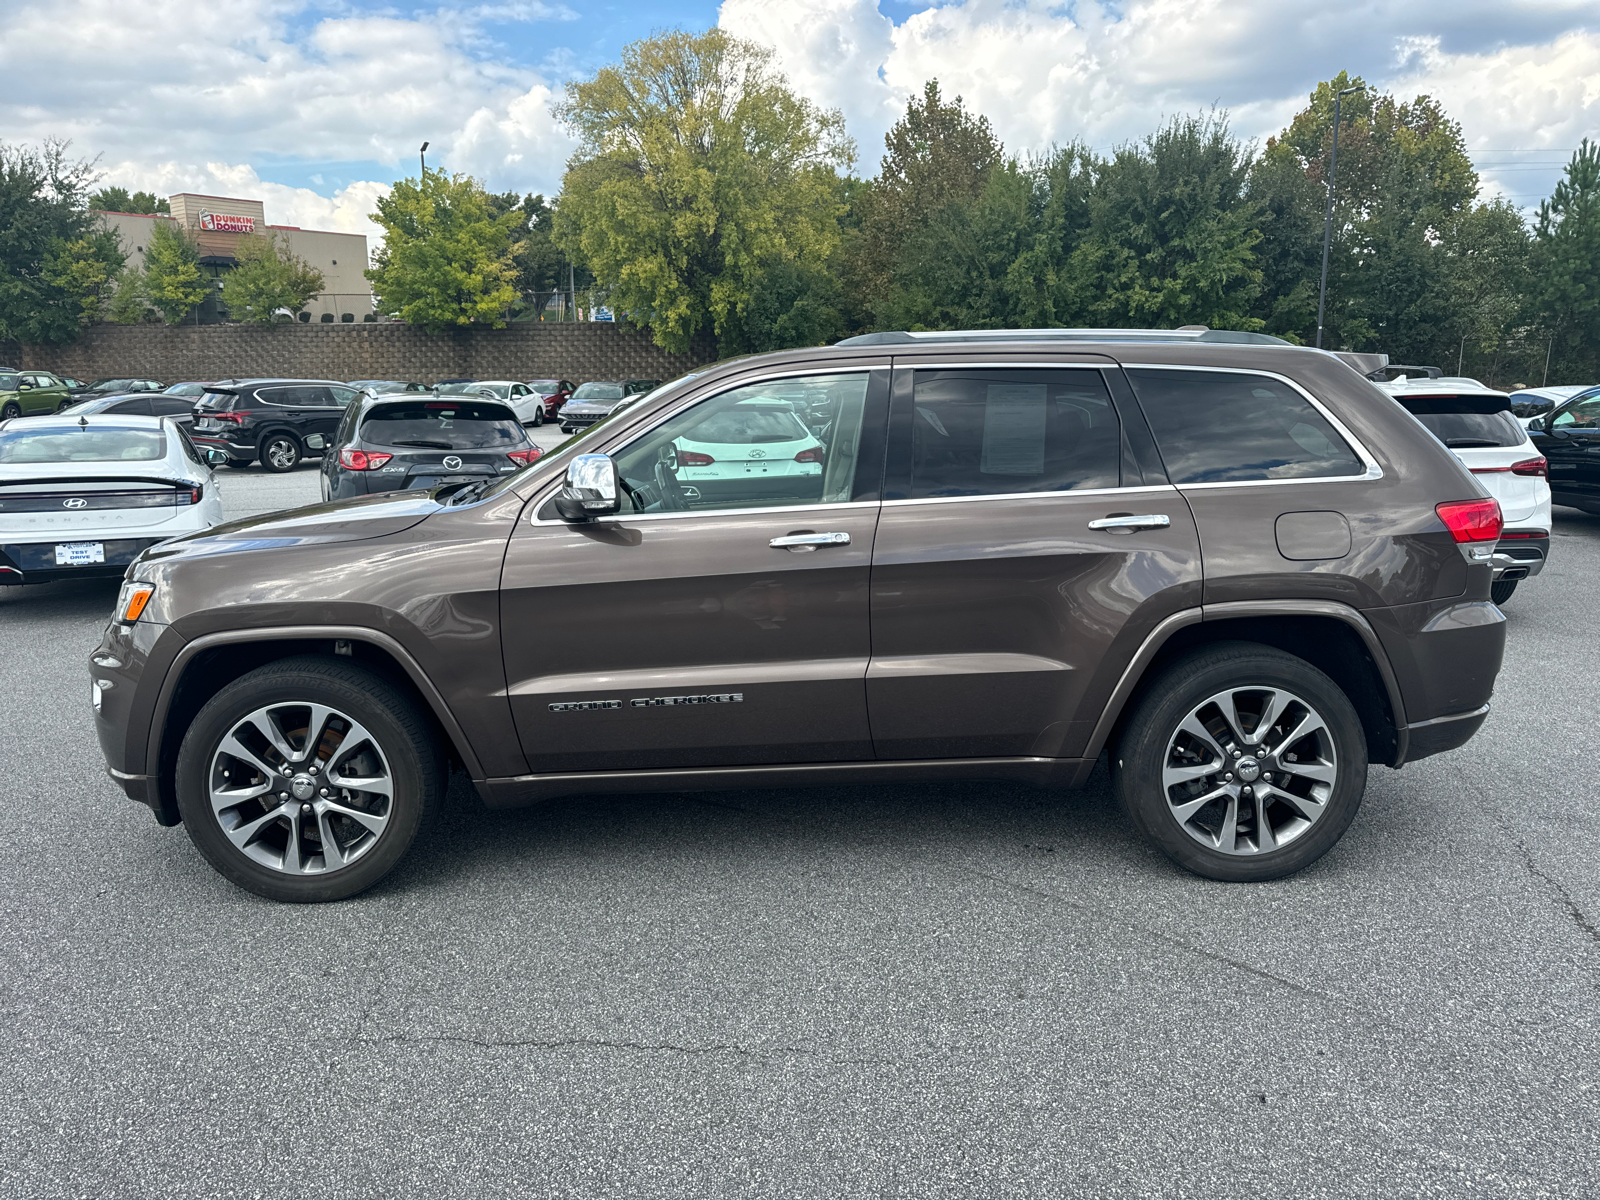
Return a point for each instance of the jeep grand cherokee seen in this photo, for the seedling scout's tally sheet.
(1235, 566)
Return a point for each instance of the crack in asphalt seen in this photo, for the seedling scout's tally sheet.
(1579, 918)
(714, 1048)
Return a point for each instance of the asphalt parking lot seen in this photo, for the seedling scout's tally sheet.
(920, 990)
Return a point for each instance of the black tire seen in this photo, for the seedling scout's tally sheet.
(239, 464)
(1500, 591)
(11, 410)
(566, 429)
(280, 452)
(538, 416)
(405, 741)
(1139, 758)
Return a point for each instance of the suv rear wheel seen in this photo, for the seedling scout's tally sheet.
(280, 452)
(307, 779)
(1242, 763)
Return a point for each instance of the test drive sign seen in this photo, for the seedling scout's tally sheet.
(217, 223)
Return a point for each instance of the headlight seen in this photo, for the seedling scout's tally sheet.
(131, 600)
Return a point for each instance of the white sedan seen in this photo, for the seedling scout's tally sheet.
(83, 496)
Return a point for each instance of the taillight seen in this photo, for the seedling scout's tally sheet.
(1471, 520)
(693, 458)
(360, 460)
(523, 457)
(194, 495)
(1523, 534)
(1532, 466)
(813, 455)
(231, 418)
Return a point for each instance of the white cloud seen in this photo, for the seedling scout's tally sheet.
(1515, 74)
(186, 96)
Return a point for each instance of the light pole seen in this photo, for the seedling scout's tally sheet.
(1327, 220)
(423, 155)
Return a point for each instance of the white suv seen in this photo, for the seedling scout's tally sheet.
(1475, 422)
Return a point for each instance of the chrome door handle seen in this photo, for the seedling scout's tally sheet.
(1147, 521)
(809, 541)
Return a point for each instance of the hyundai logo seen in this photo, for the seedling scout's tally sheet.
(75, 502)
(452, 463)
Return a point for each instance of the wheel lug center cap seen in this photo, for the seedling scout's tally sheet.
(304, 786)
(1249, 770)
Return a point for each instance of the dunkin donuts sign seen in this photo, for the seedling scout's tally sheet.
(217, 223)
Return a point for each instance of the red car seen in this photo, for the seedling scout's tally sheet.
(555, 393)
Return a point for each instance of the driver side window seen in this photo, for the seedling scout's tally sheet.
(777, 443)
(1583, 415)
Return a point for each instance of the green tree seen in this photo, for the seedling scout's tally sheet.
(54, 257)
(699, 172)
(128, 304)
(1171, 235)
(541, 263)
(267, 277)
(936, 155)
(447, 259)
(173, 281)
(1565, 295)
(84, 271)
(116, 199)
(1404, 182)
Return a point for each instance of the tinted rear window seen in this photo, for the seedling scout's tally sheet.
(82, 445)
(1003, 432)
(463, 425)
(749, 425)
(1463, 431)
(1227, 427)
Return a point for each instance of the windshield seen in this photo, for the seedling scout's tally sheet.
(545, 386)
(186, 389)
(463, 389)
(442, 425)
(598, 391)
(111, 385)
(83, 445)
(8, 383)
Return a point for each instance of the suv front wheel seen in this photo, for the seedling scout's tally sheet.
(1242, 763)
(307, 779)
(280, 452)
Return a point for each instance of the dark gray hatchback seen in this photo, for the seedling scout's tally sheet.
(1240, 570)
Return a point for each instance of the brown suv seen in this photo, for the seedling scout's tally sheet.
(1235, 565)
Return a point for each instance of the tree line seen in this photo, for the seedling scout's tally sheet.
(710, 203)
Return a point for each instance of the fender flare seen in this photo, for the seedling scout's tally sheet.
(1234, 610)
(281, 633)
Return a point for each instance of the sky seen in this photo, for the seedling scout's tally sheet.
(314, 106)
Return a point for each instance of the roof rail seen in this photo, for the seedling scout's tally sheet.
(1188, 333)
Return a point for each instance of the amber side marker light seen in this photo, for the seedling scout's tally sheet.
(134, 601)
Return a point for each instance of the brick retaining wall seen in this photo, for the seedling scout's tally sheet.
(534, 350)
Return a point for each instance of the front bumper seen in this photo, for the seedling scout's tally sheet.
(35, 562)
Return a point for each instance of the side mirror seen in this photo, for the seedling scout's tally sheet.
(216, 458)
(1536, 425)
(591, 489)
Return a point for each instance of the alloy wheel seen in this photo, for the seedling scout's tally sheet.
(301, 788)
(1249, 770)
(9, 411)
(282, 454)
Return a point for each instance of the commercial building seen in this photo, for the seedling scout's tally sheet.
(217, 223)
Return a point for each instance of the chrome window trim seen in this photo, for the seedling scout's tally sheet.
(1373, 471)
(630, 518)
(542, 498)
(917, 364)
(1116, 491)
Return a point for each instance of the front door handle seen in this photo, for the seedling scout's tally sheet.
(801, 543)
(1147, 521)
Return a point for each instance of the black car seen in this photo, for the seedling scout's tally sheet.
(275, 421)
(120, 386)
(389, 443)
(1569, 438)
(138, 404)
(594, 401)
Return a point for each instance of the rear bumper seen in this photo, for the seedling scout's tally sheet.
(1427, 738)
(234, 451)
(35, 562)
(1521, 554)
(1445, 659)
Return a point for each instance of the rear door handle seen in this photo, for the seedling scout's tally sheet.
(802, 542)
(1147, 521)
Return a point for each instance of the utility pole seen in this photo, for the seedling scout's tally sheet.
(572, 287)
(1327, 220)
